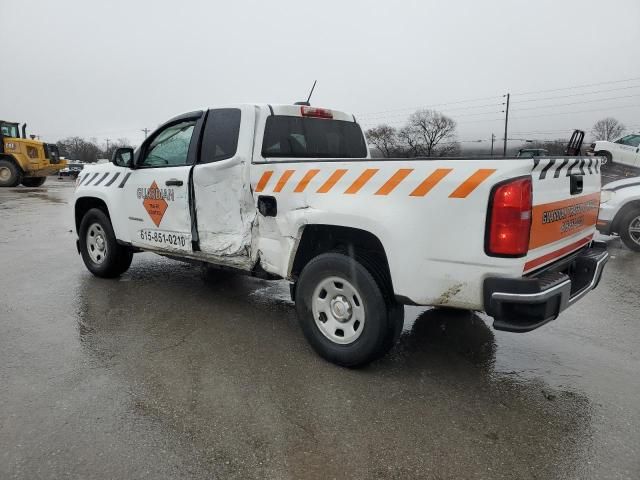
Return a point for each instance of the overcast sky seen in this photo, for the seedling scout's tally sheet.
(110, 68)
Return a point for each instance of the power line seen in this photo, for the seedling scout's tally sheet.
(575, 94)
(577, 86)
(579, 103)
(361, 114)
(578, 111)
(406, 114)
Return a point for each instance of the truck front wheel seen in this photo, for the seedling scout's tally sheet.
(33, 181)
(100, 251)
(343, 311)
(10, 174)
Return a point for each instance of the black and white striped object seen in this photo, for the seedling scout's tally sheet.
(558, 167)
(99, 179)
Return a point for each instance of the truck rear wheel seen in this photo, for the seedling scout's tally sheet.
(101, 253)
(343, 311)
(630, 229)
(33, 181)
(10, 174)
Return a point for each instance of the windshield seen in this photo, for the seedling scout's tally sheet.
(300, 137)
(9, 130)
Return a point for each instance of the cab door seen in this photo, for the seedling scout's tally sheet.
(223, 202)
(156, 196)
(627, 150)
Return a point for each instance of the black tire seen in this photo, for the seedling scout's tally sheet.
(116, 259)
(629, 219)
(10, 174)
(606, 155)
(383, 317)
(33, 181)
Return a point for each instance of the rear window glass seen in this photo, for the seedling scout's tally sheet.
(301, 137)
(220, 140)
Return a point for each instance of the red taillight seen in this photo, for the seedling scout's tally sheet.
(510, 219)
(316, 112)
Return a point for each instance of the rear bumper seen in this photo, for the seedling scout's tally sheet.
(524, 304)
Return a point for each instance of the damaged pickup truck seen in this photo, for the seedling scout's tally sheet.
(291, 192)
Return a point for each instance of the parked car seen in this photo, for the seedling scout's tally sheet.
(291, 192)
(620, 211)
(624, 151)
(72, 170)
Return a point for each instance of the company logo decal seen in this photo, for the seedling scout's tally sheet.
(154, 200)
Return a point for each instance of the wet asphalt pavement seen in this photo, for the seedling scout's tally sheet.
(165, 373)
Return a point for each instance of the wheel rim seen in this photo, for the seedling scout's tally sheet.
(96, 243)
(5, 174)
(338, 310)
(634, 229)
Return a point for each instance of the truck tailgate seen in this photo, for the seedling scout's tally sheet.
(566, 199)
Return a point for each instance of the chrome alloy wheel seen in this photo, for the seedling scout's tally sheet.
(96, 243)
(634, 229)
(338, 310)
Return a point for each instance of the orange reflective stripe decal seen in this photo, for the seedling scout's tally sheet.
(332, 180)
(264, 180)
(394, 181)
(471, 183)
(305, 180)
(284, 178)
(430, 182)
(361, 180)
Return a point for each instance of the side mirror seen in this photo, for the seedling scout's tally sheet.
(123, 157)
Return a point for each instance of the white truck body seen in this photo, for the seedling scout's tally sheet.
(428, 215)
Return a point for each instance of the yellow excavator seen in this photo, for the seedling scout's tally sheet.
(25, 160)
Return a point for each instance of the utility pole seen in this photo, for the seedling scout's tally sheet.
(493, 138)
(146, 132)
(107, 140)
(506, 125)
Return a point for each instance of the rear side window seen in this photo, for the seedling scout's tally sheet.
(301, 137)
(220, 139)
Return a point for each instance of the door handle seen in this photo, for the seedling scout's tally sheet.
(173, 182)
(576, 184)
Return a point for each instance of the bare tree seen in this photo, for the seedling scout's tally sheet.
(410, 145)
(385, 138)
(77, 148)
(426, 130)
(607, 129)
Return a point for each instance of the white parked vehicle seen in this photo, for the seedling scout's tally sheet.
(291, 192)
(620, 211)
(624, 151)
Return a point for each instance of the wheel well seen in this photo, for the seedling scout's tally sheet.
(84, 204)
(318, 239)
(615, 226)
(9, 158)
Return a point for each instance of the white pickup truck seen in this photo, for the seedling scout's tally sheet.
(623, 151)
(291, 192)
